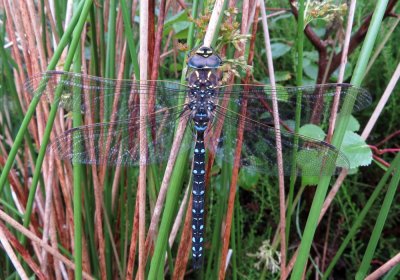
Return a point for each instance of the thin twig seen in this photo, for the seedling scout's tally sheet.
(179, 218)
(185, 244)
(217, 10)
(381, 46)
(143, 51)
(132, 248)
(281, 179)
(335, 105)
(384, 268)
(48, 210)
(382, 102)
(10, 254)
(387, 138)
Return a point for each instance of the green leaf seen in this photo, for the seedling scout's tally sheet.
(248, 177)
(311, 71)
(290, 124)
(309, 180)
(313, 56)
(313, 131)
(279, 87)
(348, 70)
(279, 49)
(175, 67)
(280, 76)
(265, 116)
(356, 150)
(281, 17)
(181, 30)
(175, 22)
(353, 125)
(306, 161)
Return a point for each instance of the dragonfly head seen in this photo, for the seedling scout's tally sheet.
(204, 58)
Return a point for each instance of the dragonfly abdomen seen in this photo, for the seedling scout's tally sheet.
(198, 191)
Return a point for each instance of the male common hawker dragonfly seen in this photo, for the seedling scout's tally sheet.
(212, 112)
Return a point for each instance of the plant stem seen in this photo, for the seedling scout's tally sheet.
(299, 82)
(77, 171)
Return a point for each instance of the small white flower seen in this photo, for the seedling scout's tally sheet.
(267, 257)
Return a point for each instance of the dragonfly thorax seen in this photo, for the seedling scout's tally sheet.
(202, 93)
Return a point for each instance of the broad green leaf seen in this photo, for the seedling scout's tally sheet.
(313, 131)
(348, 70)
(311, 71)
(313, 56)
(248, 177)
(175, 67)
(306, 62)
(283, 97)
(280, 76)
(280, 17)
(306, 161)
(279, 49)
(320, 31)
(309, 180)
(353, 125)
(179, 18)
(265, 116)
(181, 29)
(356, 150)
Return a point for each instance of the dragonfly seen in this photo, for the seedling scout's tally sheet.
(211, 111)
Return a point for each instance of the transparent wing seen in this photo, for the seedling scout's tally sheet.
(105, 99)
(120, 97)
(117, 143)
(111, 110)
(259, 149)
(259, 154)
(313, 157)
(315, 101)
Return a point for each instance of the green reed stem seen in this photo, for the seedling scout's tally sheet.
(43, 25)
(95, 63)
(129, 37)
(343, 121)
(108, 103)
(299, 82)
(77, 171)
